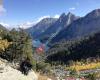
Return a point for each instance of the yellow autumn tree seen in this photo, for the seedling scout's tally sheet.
(4, 44)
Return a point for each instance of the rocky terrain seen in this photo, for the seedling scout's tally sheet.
(9, 73)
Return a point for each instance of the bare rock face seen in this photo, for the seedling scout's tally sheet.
(8, 73)
(36, 30)
(84, 26)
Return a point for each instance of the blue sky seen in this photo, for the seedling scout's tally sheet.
(20, 11)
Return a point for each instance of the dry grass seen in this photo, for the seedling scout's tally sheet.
(45, 77)
(85, 66)
(42, 77)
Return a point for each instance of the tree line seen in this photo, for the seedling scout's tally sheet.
(18, 46)
(73, 50)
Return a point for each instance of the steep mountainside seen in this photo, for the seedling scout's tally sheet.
(88, 47)
(82, 27)
(2, 27)
(63, 21)
(40, 27)
(3, 31)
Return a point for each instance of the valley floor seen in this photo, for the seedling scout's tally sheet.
(9, 73)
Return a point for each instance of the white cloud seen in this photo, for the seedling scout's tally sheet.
(39, 19)
(2, 10)
(28, 24)
(47, 16)
(31, 23)
(56, 16)
(72, 8)
(4, 24)
(8, 26)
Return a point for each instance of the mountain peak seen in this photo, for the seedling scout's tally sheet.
(62, 15)
(48, 19)
(95, 13)
(69, 13)
(71, 17)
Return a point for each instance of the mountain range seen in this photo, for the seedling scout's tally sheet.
(68, 27)
(62, 23)
(48, 28)
(83, 26)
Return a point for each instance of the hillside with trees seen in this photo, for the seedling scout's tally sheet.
(81, 49)
(16, 46)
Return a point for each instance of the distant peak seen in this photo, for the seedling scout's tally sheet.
(94, 13)
(48, 19)
(97, 10)
(70, 14)
(62, 15)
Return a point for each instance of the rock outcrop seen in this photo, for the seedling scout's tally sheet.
(9, 73)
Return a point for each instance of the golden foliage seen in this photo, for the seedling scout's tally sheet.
(4, 44)
(91, 65)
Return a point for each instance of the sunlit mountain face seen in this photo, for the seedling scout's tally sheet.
(36, 30)
(67, 26)
(81, 27)
(51, 30)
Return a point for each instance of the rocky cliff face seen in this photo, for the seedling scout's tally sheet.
(84, 26)
(62, 23)
(40, 27)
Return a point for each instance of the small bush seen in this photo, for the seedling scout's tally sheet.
(43, 67)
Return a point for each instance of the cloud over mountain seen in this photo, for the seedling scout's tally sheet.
(72, 8)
